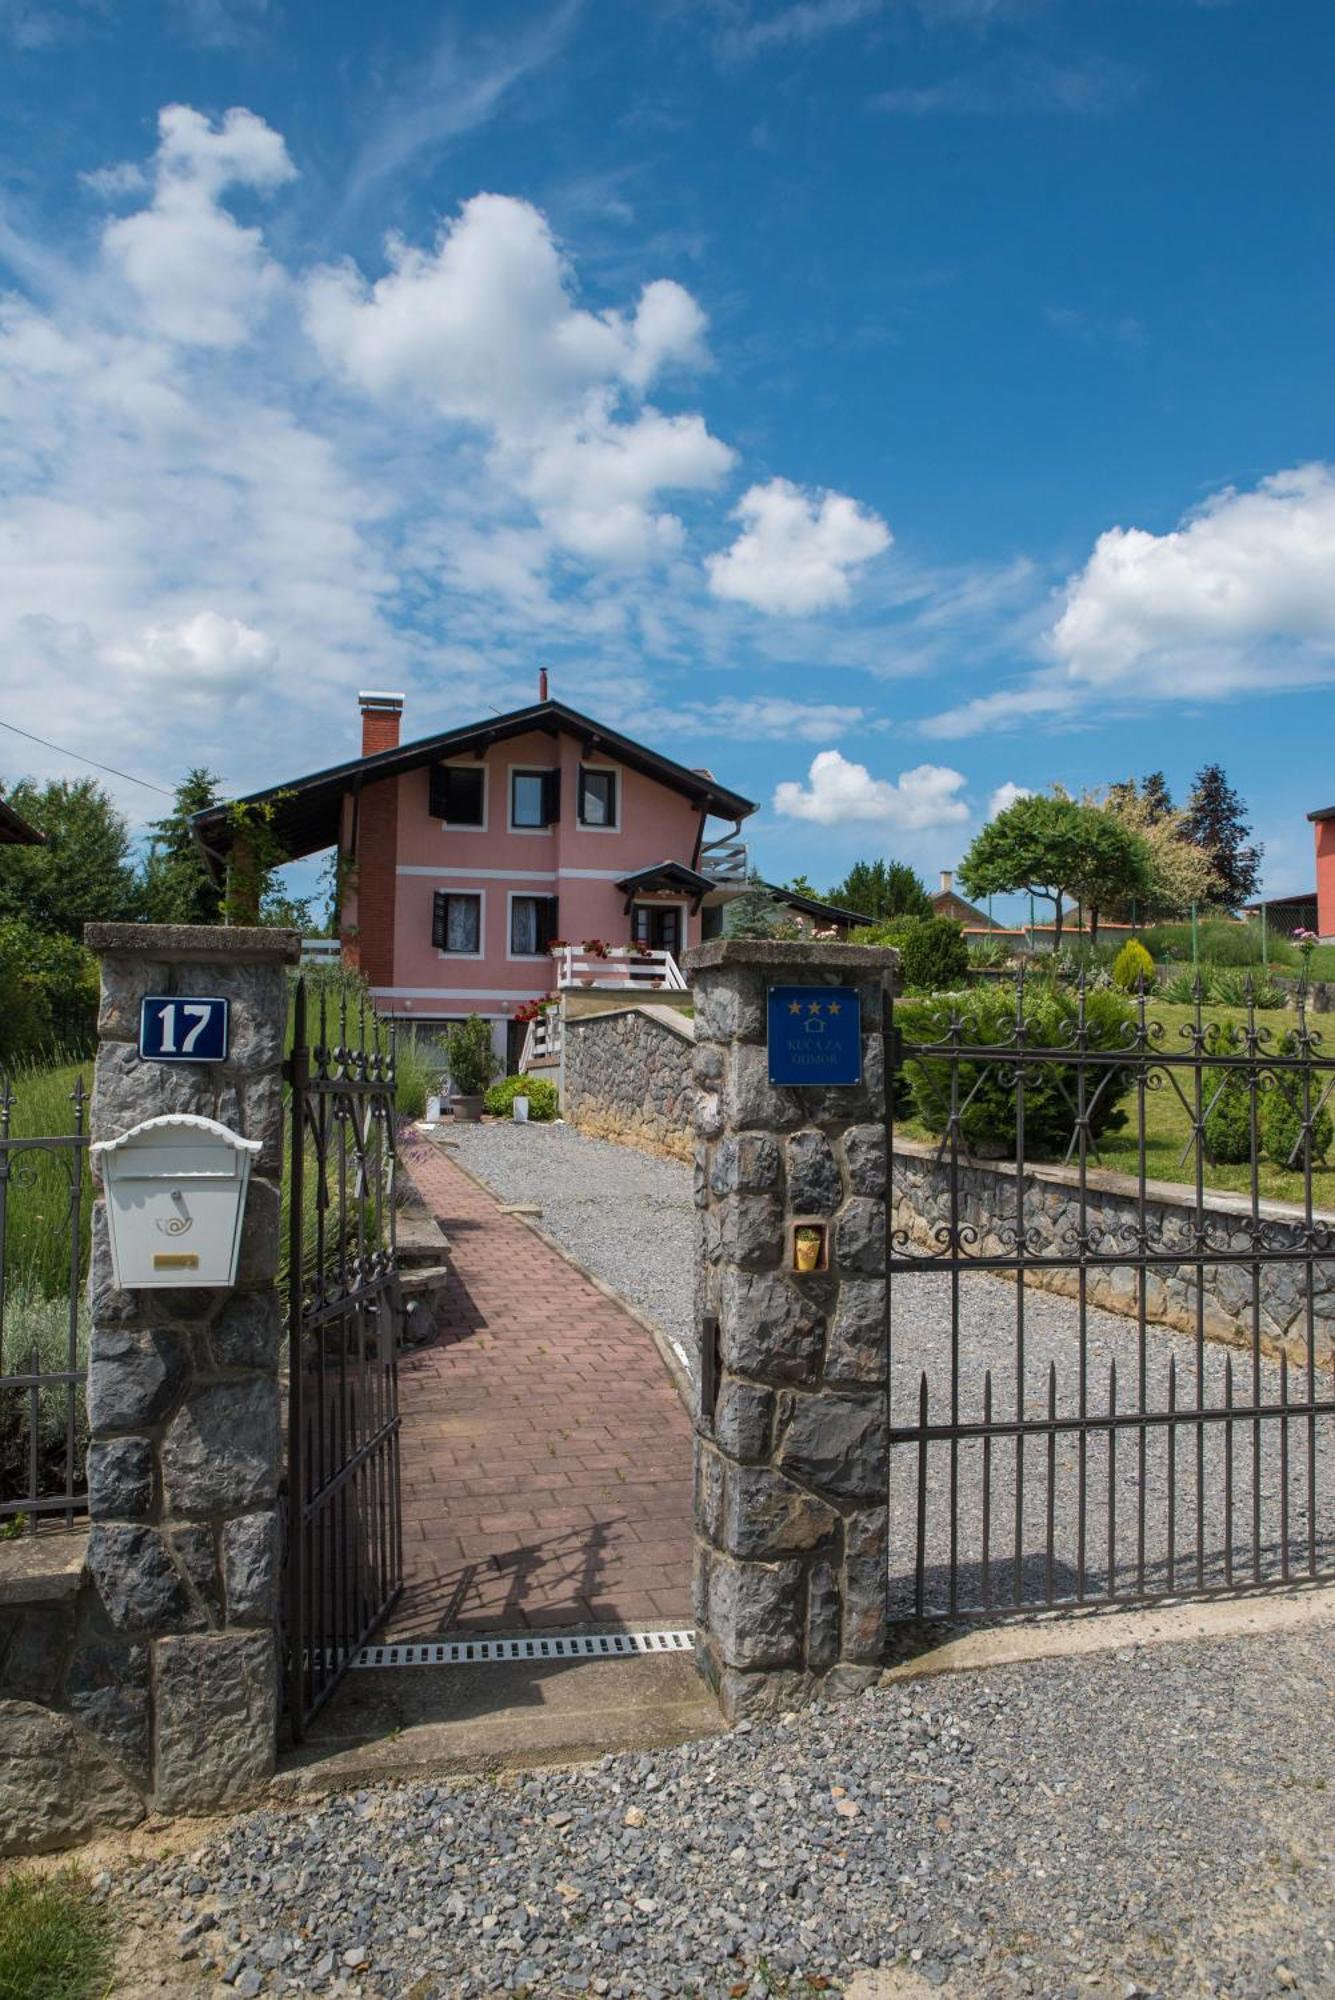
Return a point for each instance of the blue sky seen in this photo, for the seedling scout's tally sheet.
(883, 402)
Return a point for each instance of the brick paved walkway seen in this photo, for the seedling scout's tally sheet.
(546, 1454)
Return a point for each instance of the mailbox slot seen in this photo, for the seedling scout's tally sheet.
(175, 1193)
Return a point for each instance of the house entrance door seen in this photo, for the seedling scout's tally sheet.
(659, 926)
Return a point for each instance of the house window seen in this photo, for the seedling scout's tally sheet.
(459, 794)
(535, 799)
(532, 925)
(456, 923)
(597, 797)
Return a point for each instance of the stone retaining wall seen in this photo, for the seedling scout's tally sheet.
(627, 1076)
(920, 1203)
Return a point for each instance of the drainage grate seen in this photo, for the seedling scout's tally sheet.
(498, 1651)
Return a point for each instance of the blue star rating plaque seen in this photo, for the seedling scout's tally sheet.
(815, 1035)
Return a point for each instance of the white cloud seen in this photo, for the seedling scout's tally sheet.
(769, 717)
(839, 792)
(797, 550)
(1213, 599)
(1239, 597)
(207, 652)
(201, 277)
(1019, 83)
(1006, 795)
(484, 327)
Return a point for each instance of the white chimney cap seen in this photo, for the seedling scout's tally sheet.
(369, 698)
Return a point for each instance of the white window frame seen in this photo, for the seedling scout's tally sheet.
(584, 825)
(467, 825)
(528, 770)
(531, 896)
(465, 957)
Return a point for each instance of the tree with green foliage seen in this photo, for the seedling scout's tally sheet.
(83, 874)
(1036, 846)
(757, 912)
(1217, 823)
(801, 886)
(1111, 866)
(1157, 798)
(1180, 874)
(178, 888)
(882, 889)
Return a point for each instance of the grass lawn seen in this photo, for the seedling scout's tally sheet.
(54, 1943)
(37, 1245)
(1168, 1122)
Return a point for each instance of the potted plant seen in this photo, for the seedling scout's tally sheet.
(807, 1246)
(472, 1064)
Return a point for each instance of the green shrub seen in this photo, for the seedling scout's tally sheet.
(986, 1089)
(1228, 1121)
(473, 1061)
(1282, 1112)
(933, 957)
(1219, 942)
(990, 953)
(1132, 965)
(543, 1102)
(48, 993)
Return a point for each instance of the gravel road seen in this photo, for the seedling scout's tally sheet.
(627, 1216)
(1148, 1822)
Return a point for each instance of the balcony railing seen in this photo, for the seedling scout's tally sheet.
(724, 860)
(542, 1043)
(622, 966)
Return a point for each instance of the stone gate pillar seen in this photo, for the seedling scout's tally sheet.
(183, 1392)
(792, 1429)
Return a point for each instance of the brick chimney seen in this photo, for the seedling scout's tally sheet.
(381, 714)
(542, 683)
(947, 880)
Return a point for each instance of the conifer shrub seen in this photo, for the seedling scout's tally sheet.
(986, 1087)
(1132, 965)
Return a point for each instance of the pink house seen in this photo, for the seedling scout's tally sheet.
(466, 853)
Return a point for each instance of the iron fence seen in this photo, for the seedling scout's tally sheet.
(45, 1202)
(345, 1545)
(1044, 1451)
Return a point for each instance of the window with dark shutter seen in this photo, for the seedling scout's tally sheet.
(458, 794)
(532, 925)
(456, 922)
(551, 800)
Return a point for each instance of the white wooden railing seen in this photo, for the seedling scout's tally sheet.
(542, 1043)
(621, 967)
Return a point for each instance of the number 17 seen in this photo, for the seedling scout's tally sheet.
(192, 1011)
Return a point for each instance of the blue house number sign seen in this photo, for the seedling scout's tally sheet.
(182, 1027)
(815, 1035)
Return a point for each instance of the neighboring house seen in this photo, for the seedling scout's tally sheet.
(15, 830)
(947, 902)
(1323, 824)
(466, 853)
(820, 916)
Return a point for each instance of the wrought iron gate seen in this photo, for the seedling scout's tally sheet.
(345, 1551)
(1045, 1451)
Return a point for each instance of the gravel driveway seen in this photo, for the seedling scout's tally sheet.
(627, 1216)
(1152, 1821)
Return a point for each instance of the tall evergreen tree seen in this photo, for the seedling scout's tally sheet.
(1217, 823)
(178, 888)
(1157, 797)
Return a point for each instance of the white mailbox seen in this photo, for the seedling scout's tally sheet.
(176, 1193)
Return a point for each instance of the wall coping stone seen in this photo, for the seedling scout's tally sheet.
(258, 944)
(1172, 1194)
(666, 1017)
(790, 955)
(42, 1569)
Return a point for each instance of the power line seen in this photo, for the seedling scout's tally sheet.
(110, 769)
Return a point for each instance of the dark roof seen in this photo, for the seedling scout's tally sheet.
(306, 811)
(1326, 812)
(1297, 902)
(951, 900)
(15, 830)
(674, 874)
(811, 907)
